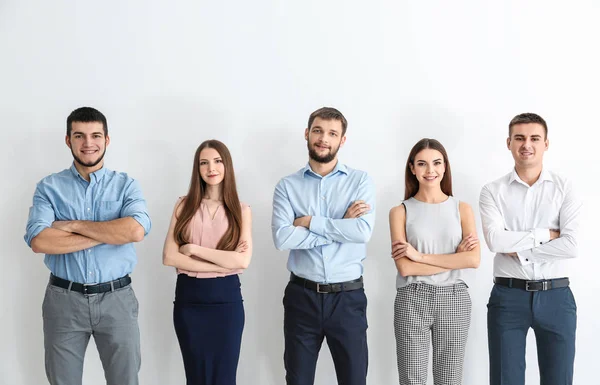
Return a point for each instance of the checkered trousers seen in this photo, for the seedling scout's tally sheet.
(424, 313)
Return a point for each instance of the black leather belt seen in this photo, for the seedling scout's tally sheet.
(90, 289)
(325, 288)
(541, 285)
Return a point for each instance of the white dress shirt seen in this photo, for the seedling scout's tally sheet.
(517, 218)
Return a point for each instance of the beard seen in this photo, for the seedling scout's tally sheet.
(312, 153)
(89, 164)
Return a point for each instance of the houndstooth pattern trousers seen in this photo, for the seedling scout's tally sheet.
(424, 313)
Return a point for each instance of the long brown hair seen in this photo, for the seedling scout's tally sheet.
(411, 184)
(191, 203)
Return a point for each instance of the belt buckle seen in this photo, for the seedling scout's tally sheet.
(319, 289)
(85, 286)
(544, 286)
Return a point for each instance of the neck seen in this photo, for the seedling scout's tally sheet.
(430, 195)
(86, 171)
(322, 168)
(529, 175)
(213, 193)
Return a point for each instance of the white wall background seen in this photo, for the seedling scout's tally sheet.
(169, 75)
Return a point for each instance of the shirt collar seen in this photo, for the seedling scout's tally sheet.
(338, 167)
(95, 177)
(544, 176)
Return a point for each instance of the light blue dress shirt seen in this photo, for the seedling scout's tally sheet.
(333, 249)
(68, 196)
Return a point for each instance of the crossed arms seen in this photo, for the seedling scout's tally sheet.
(535, 245)
(306, 232)
(48, 236)
(411, 262)
(191, 257)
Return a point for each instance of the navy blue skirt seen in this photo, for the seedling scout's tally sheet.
(209, 319)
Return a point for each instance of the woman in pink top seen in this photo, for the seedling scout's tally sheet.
(209, 242)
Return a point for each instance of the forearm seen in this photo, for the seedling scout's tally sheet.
(288, 237)
(183, 262)
(116, 232)
(406, 268)
(564, 247)
(226, 259)
(462, 260)
(350, 230)
(54, 241)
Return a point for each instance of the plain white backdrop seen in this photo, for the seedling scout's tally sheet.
(169, 75)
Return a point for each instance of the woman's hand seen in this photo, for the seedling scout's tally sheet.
(241, 247)
(468, 243)
(402, 249)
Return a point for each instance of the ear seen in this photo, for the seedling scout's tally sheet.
(412, 168)
(306, 134)
(107, 140)
(342, 141)
(508, 143)
(547, 143)
(68, 141)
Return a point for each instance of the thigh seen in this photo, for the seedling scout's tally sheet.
(117, 335)
(413, 319)
(450, 331)
(509, 319)
(67, 332)
(345, 328)
(555, 325)
(303, 332)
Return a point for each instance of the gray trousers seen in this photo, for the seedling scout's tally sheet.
(70, 318)
(438, 315)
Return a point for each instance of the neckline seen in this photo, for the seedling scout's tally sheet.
(429, 203)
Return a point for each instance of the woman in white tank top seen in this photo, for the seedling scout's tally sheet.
(433, 239)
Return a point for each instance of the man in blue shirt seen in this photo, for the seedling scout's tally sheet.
(85, 219)
(324, 214)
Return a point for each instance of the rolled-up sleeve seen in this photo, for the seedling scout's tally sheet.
(41, 215)
(134, 205)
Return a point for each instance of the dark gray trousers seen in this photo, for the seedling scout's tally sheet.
(70, 318)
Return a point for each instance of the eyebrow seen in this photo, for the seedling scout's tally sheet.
(435, 160)
(218, 157)
(83, 133)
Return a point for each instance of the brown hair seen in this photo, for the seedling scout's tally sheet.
(411, 183)
(328, 113)
(526, 118)
(191, 203)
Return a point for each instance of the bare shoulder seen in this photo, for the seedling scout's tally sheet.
(398, 211)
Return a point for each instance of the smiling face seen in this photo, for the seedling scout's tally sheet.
(527, 143)
(212, 169)
(429, 167)
(324, 139)
(88, 144)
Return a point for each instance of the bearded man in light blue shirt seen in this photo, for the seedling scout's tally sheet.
(324, 214)
(85, 220)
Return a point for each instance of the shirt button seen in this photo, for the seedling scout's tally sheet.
(91, 273)
(527, 259)
(88, 209)
(323, 198)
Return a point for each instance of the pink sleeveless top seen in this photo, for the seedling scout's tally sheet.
(207, 232)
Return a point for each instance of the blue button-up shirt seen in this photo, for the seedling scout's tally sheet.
(68, 196)
(333, 249)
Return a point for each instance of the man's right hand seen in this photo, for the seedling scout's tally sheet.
(554, 234)
(357, 209)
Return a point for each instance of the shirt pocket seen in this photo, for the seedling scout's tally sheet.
(109, 210)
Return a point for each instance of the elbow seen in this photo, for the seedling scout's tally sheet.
(475, 261)
(403, 268)
(137, 234)
(168, 260)
(35, 246)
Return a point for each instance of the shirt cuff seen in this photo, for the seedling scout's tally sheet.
(540, 236)
(317, 225)
(525, 257)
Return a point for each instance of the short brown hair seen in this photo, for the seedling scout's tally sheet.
(328, 113)
(526, 118)
(411, 184)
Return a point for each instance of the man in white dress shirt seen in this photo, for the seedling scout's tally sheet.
(530, 220)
